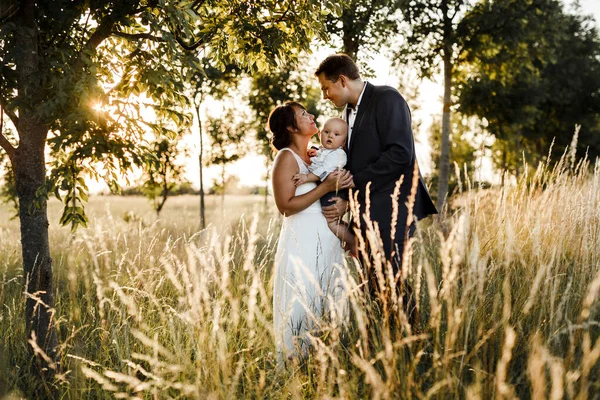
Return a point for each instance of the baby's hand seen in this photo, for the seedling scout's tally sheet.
(312, 152)
(299, 179)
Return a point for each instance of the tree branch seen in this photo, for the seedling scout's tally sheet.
(13, 117)
(197, 4)
(456, 10)
(189, 46)
(4, 143)
(8, 13)
(102, 32)
(197, 42)
(282, 17)
(132, 36)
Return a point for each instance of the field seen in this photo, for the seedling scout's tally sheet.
(507, 292)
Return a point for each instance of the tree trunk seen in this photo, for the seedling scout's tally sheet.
(349, 35)
(350, 46)
(445, 149)
(30, 174)
(37, 265)
(200, 165)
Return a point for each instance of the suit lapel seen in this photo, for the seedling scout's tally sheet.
(363, 108)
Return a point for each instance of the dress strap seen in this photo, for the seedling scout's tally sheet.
(299, 160)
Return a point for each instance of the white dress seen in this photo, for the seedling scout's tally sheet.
(308, 282)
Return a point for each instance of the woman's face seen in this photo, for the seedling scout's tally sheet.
(305, 122)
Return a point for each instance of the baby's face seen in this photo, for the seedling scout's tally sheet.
(334, 134)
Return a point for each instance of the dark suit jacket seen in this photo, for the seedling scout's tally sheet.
(382, 149)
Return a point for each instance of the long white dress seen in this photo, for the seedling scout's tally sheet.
(308, 282)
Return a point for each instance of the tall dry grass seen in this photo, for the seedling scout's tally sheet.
(507, 297)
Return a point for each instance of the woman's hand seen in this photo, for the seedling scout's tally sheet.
(299, 179)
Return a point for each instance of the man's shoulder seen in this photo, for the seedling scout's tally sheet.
(387, 94)
(386, 90)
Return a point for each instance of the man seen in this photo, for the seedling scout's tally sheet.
(380, 150)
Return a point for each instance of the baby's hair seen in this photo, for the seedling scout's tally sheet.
(337, 119)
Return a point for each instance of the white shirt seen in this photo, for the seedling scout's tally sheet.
(326, 161)
(352, 114)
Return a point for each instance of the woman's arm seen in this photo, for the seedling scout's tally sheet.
(284, 169)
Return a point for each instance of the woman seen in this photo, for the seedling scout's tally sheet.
(306, 277)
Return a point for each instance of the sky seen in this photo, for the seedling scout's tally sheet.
(592, 7)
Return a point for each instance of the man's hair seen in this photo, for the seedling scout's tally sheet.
(336, 65)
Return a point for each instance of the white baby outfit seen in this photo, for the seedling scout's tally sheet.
(326, 161)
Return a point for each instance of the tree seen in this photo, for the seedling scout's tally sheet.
(534, 73)
(163, 174)
(213, 82)
(72, 76)
(226, 146)
(462, 150)
(430, 40)
(363, 24)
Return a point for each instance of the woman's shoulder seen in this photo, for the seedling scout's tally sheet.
(284, 153)
(285, 157)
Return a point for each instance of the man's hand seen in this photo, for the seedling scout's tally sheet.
(346, 180)
(299, 179)
(337, 208)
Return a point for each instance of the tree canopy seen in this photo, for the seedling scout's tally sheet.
(533, 74)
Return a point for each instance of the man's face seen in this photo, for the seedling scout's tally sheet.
(336, 92)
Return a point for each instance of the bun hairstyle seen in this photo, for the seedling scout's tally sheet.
(280, 119)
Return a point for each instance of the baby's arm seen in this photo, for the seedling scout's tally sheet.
(299, 179)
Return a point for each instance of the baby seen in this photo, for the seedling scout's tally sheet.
(328, 158)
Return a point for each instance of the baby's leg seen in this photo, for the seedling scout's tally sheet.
(344, 233)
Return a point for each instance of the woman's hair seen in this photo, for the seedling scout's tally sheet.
(336, 65)
(280, 119)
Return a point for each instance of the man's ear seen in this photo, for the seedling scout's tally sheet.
(343, 80)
